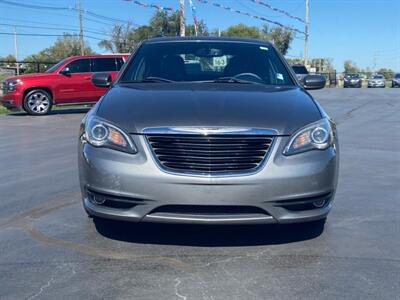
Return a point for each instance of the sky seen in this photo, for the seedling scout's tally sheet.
(365, 31)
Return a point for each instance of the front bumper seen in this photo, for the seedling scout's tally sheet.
(12, 100)
(352, 84)
(150, 194)
(376, 84)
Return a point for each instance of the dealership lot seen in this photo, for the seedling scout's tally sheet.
(50, 249)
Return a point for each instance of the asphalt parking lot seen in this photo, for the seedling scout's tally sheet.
(49, 249)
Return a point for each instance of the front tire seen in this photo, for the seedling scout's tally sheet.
(38, 102)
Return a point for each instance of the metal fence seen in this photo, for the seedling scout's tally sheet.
(23, 67)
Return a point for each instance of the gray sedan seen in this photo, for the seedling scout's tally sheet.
(233, 138)
(377, 80)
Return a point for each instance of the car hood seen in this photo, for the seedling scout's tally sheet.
(134, 107)
(29, 76)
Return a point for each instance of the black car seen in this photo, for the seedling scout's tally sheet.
(396, 80)
(300, 71)
(352, 80)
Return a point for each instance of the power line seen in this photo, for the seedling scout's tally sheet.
(92, 30)
(151, 5)
(278, 10)
(51, 28)
(33, 6)
(43, 34)
(228, 8)
(60, 8)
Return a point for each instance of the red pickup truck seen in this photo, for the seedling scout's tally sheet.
(67, 82)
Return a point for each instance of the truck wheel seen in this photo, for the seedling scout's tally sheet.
(38, 102)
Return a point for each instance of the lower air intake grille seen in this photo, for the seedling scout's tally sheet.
(209, 154)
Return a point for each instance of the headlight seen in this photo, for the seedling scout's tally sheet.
(10, 85)
(100, 133)
(318, 135)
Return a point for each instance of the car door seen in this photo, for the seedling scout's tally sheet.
(74, 83)
(105, 64)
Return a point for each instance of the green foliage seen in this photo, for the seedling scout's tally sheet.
(201, 29)
(121, 39)
(124, 38)
(282, 38)
(65, 46)
(9, 58)
(295, 60)
(164, 24)
(350, 67)
(322, 64)
(3, 110)
(388, 73)
(242, 30)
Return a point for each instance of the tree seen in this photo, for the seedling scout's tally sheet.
(201, 29)
(350, 67)
(295, 60)
(241, 30)
(280, 37)
(7, 59)
(121, 39)
(65, 46)
(388, 73)
(164, 24)
(322, 64)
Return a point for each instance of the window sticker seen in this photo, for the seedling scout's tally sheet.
(279, 76)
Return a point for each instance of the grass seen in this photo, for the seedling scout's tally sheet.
(3, 110)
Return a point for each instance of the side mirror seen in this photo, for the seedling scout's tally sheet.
(65, 71)
(314, 82)
(102, 79)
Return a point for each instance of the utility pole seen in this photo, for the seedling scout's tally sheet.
(182, 17)
(375, 57)
(306, 33)
(16, 49)
(78, 7)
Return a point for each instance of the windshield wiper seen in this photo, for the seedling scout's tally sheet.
(148, 79)
(232, 80)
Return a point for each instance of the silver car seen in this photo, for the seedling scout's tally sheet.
(377, 80)
(234, 138)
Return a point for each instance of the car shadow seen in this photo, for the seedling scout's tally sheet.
(66, 111)
(208, 235)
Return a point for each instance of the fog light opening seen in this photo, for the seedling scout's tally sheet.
(319, 203)
(97, 199)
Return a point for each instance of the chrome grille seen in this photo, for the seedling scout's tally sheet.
(4, 87)
(209, 154)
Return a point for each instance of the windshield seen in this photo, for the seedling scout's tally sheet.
(300, 69)
(352, 76)
(53, 68)
(205, 61)
(377, 77)
(397, 76)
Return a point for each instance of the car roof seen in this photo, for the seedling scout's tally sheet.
(97, 56)
(206, 38)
